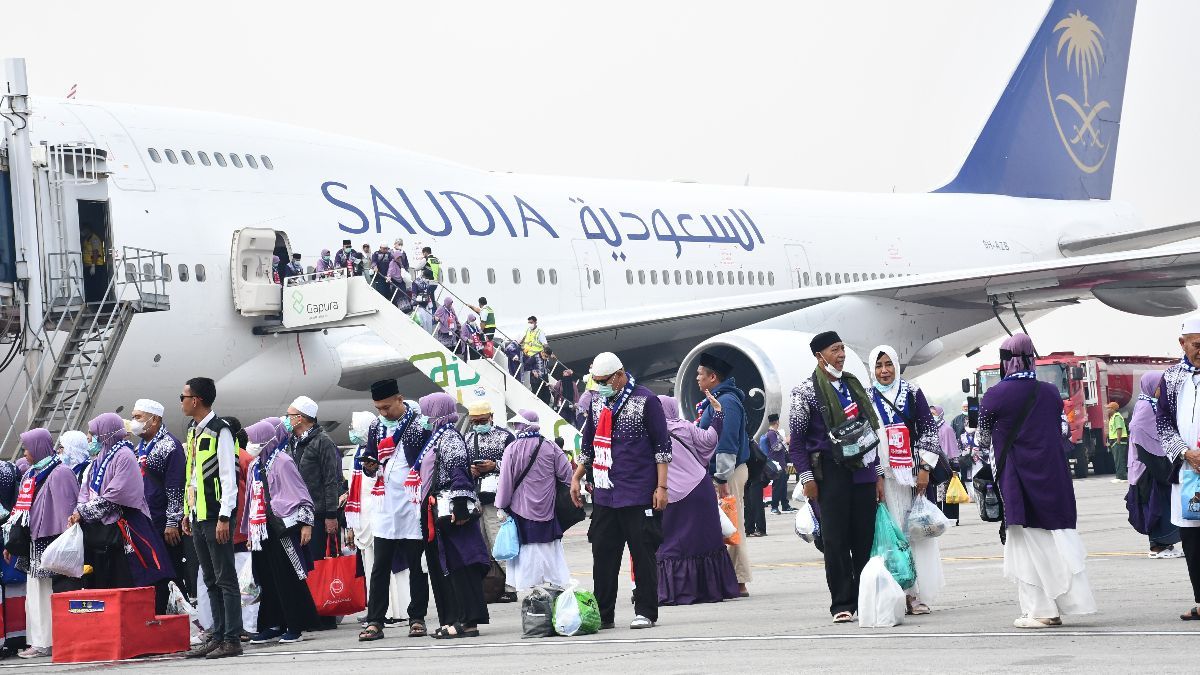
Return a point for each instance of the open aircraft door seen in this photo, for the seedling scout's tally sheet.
(255, 292)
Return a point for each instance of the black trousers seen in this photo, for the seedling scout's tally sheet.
(755, 510)
(458, 594)
(1190, 537)
(285, 601)
(848, 530)
(610, 531)
(220, 575)
(381, 580)
(779, 491)
(161, 590)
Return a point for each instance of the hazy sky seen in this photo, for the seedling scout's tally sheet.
(864, 96)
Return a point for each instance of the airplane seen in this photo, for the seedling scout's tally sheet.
(657, 273)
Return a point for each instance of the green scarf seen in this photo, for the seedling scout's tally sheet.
(831, 405)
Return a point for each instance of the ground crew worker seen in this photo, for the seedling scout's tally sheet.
(532, 346)
(95, 255)
(1118, 441)
(487, 318)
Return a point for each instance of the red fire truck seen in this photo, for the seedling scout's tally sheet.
(1087, 384)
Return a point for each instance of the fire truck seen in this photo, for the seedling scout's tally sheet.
(1086, 384)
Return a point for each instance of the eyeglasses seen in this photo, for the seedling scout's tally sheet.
(183, 396)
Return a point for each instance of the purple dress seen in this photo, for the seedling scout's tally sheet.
(1036, 481)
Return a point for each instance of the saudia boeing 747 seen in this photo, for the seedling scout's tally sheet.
(654, 272)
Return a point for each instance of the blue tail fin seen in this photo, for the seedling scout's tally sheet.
(1054, 132)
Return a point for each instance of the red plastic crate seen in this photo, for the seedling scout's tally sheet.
(111, 624)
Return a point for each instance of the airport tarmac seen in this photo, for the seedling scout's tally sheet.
(784, 625)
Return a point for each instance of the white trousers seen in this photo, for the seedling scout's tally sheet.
(37, 612)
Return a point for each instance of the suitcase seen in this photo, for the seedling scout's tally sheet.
(112, 624)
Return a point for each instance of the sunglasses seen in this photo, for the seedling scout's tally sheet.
(183, 396)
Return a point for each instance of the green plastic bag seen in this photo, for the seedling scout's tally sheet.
(576, 612)
(589, 612)
(891, 545)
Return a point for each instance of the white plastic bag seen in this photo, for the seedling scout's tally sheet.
(798, 492)
(177, 603)
(65, 554)
(925, 520)
(727, 526)
(807, 525)
(567, 619)
(880, 599)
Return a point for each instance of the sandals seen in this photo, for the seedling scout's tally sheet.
(370, 634)
(444, 633)
(843, 617)
(919, 609)
(1192, 615)
(416, 629)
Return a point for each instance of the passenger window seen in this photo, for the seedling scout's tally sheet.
(720, 278)
(201, 275)
(491, 275)
(596, 277)
(629, 276)
(130, 272)
(466, 275)
(771, 278)
(204, 158)
(828, 279)
(452, 275)
(741, 278)
(183, 272)
(220, 159)
(856, 276)
(266, 161)
(554, 277)
(678, 277)
(805, 279)
(516, 276)
(148, 271)
(689, 278)
(251, 162)
(837, 278)
(666, 278)
(166, 272)
(819, 279)
(761, 279)
(541, 274)
(154, 155)
(642, 277)
(710, 277)
(237, 161)
(171, 156)
(654, 277)
(187, 157)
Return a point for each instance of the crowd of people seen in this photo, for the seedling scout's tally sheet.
(429, 494)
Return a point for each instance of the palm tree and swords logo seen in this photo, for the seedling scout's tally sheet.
(1080, 39)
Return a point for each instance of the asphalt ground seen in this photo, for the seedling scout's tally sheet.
(785, 626)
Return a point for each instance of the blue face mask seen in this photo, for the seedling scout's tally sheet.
(287, 423)
(94, 447)
(426, 423)
(605, 390)
(483, 428)
(356, 438)
(885, 388)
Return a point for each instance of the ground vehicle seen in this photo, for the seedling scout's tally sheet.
(1087, 383)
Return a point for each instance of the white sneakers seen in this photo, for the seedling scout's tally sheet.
(640, 621)
(34, 652)
(1166, 553)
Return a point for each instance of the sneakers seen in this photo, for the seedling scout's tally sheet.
(788, 509)
(264, 636)
(775, 512)
(508, 596)
(1166, 553)
(225, 649)
(291, 637)
(639, 622)
(34, 652)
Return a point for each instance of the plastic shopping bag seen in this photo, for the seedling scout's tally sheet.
(880, 599)
(727, 527)
(925, 520)
(1189, 493)
(891, 545)
(589, 612)
(808, 527)
(729, 510)
(537, 612)
(508, 542)
(64, 555)
(567, 619)
(955, 492)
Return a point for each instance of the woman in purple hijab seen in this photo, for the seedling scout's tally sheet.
(530, 503)
(446, 322)
(1149, 496)
(277, 517)
(44, 502)
(455, 553)
(693, 562)
(1020, 420)
(120, 543)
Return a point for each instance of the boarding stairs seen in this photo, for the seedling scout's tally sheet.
(334, 299)
(80, 341)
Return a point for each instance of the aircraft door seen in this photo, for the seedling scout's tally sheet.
(798, 264)
(591, 288)
(255, 292)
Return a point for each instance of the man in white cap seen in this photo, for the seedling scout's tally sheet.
(486, 442)
(627, 447)
(1178, 419)
(320, 466)
(164, 466)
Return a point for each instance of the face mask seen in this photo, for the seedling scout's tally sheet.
(287, 424)
(94, 447)
(386, 423)
(137, 428)
(483, 428)
(532, 326)
(356, 438)
(833, 371)
(885, 388)
(605, 390)
(254, 449)
(347, 249)
(426, 423)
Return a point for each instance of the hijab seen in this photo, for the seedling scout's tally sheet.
(55, 499)
(75, 448)
(893, 389)
(691, 450)
(287, 488)
(1021, 348)
(121, 480)
(9, 481)
(440, 407)
(1143, 430)
(534, 497)
(526, 420)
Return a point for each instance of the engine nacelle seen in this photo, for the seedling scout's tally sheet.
(767, 363)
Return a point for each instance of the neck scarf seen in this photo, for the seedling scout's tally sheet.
(258, 498)
(412, 484)
(1187, 365)
(832, 405)
(101, 468)
(354, 498)
(602, 440)
(896, 432)
(29, 485)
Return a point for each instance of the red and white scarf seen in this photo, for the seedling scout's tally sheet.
(602, 445)
(258, 501)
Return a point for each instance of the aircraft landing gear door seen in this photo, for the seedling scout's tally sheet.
(255, 292)
(798, 263)
(591, 289)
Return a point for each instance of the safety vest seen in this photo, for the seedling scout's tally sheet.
(488, 320)
(1116, 427)
(203, 470)
(93, 250)
(532, 344)
(435, 266)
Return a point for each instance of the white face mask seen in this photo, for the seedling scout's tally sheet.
(137, 428)
(833, 371)
(254, 449)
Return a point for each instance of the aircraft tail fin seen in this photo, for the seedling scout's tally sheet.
(1054, 132)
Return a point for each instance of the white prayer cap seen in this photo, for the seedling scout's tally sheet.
(605, 364)
(385, 245)
(147, 406)
(305, 406)
(1191, 326)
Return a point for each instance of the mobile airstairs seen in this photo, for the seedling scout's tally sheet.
(317, 301)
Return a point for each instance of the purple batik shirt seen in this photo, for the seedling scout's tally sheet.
(640, 442)
(810, 435)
